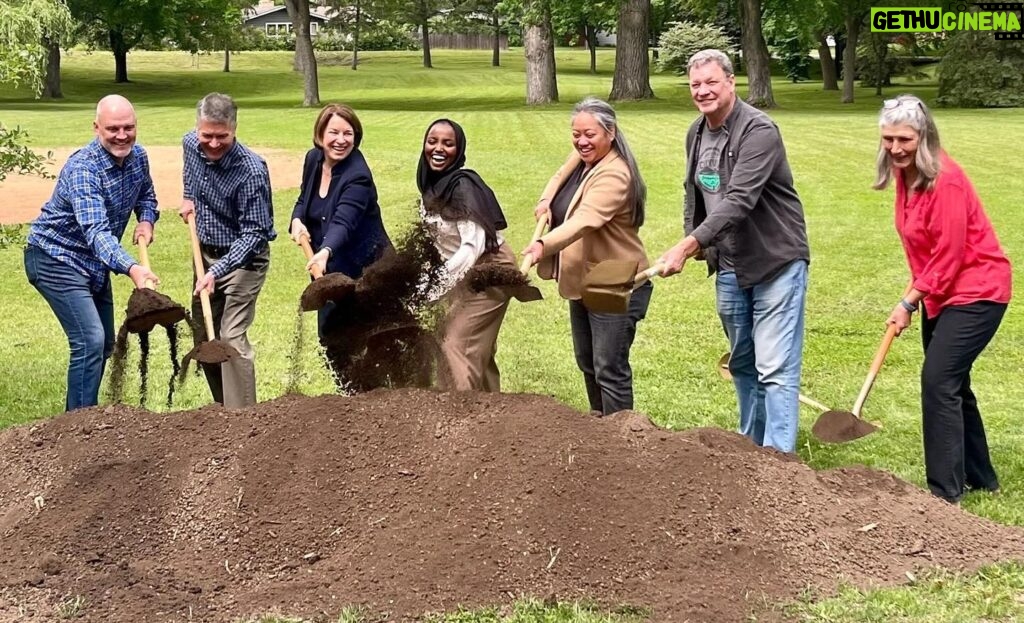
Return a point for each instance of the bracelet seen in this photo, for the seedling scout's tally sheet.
(908, 306)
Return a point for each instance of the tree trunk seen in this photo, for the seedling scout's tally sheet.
(829, 80)
(592, 44)
(755, 56)
(51, 85)
(355, 36)
(496, 52)
(539, 48)
(298, 11)
(850, 56)
(120, 50)
(227, 59)
(426, 45)
(632, 79)
(880, 43)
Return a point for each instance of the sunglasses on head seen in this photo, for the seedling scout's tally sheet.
(896, 103)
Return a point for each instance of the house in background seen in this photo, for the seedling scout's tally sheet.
(273, 19)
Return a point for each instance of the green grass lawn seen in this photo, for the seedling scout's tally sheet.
(857, 268)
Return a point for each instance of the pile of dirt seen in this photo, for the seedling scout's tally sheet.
(409, 501)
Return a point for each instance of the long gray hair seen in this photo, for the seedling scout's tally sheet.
(910, 111)
(605, 115)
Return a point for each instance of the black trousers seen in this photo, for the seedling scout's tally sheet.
(601, 343)
(955, 448)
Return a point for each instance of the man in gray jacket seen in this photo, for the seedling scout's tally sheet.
(744, 217)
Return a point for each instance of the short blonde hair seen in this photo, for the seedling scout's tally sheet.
(910, 111)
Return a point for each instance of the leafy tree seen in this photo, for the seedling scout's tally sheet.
(212, 25)
(29, 31)
(305, 58)
(980, 72)
(587, 17)
(791, 49)
(632, 79)
(683, 40)
(120, 25)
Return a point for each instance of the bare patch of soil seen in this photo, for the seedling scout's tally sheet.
(407, 501)
(24, 195)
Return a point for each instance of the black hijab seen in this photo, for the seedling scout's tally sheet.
(457, 193)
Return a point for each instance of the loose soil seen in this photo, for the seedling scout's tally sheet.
(382, 333)
(24, 195)
(409, 501)
(147, 308)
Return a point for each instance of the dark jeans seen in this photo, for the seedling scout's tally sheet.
(955, 448)
(602, 343)
(87, 318)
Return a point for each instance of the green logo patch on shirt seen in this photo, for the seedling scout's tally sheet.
(709, 180)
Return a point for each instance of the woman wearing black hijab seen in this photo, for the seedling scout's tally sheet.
(464, 219)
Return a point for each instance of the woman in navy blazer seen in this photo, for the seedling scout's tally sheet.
(337, 205)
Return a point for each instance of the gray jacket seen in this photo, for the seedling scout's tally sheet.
(760, 206)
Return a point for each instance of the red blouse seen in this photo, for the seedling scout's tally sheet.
(952, 250)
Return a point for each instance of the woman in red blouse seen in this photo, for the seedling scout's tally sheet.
(961, 283)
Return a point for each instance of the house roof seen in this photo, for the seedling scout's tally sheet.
(313, 12)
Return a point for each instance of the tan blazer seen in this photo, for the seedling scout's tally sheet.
(598, 225)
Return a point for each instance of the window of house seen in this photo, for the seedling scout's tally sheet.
(275, 29)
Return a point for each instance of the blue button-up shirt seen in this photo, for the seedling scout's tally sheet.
(234, 209)
(82, 223)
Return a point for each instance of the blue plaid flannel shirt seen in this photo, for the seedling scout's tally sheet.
(85, 218)
(234, 208)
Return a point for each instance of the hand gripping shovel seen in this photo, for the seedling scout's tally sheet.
(212, 350)
(147, 307)
(841, 426)
(324, 288)
(608, 286)
(723, 371)
(514, 282)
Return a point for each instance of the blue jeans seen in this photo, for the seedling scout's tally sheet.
(602, 343)
(87, 318)
(765, 326)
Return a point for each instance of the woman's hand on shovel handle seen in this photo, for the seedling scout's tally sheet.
(206, 283)
(297, 230)
(899, 317)
(534, 251)
(319, 259)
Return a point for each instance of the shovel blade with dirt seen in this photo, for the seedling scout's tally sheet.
(608, 286)
(147, 308)
(211, 350)
(843, 426)
(325, 287)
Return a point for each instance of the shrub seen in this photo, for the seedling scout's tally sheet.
(387, 35)
(980, 72)
(684, 39)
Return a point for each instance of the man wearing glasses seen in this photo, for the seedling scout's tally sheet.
(743, 216)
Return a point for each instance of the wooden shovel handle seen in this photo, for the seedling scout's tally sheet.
(197, 258)
(538, 231)
(308, 251)
(144, 260)
(876, 365)
(653, 271)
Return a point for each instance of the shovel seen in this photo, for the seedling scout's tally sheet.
(147, 307)
(723, 370)
(842, 426)
(608, 286)
(514, 282)
(211, 351)
(324, 288)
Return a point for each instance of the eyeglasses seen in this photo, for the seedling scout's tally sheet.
(896, 103)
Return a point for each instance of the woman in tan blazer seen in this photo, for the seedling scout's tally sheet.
(595, 205)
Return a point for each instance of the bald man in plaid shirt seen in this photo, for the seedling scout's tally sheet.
(227, 186)
(75, 243)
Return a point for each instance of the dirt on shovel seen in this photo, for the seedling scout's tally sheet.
(330, 287)
(841, 426)
(147, 308)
